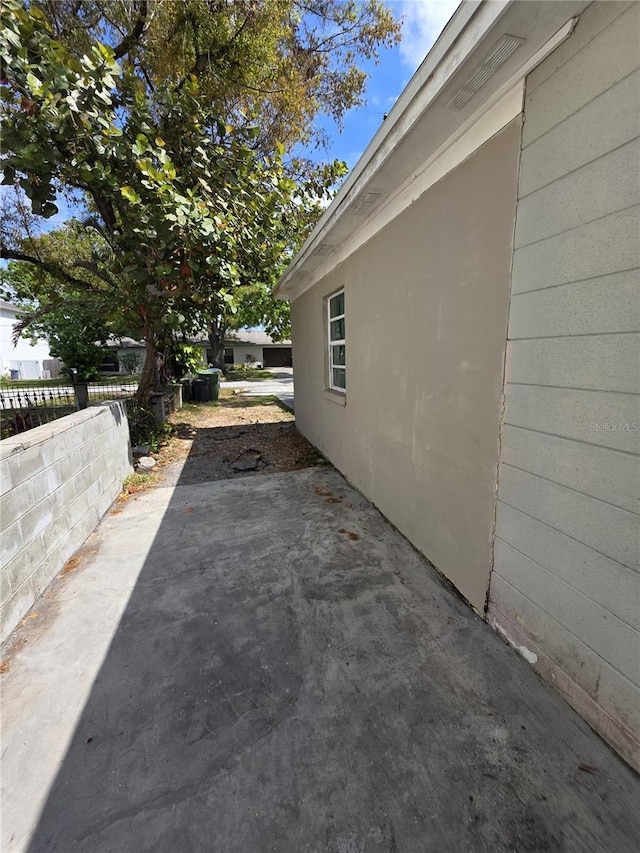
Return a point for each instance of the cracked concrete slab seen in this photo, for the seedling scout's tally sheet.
(265, 664)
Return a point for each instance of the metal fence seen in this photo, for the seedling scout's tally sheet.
(99, 391)
(22, 408)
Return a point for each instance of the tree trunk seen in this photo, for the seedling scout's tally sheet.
(216, 331)
(148, 371)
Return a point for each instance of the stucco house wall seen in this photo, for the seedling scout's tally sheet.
(426, 313)
(255, 343)
(565, 585)
(25, 357)
(522, 487)
(241, 351)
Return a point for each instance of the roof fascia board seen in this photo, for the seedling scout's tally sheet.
(470, 22)
(448, 158)
(488, 120)
(9, 306)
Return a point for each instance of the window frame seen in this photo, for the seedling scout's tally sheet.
(334, 343)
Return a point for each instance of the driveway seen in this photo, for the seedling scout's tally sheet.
(265, 664)
(281, 386)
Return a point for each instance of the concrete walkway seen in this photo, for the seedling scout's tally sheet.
(266, 665)
(281, 386)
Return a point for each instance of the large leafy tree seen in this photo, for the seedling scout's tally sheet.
(190, 199)
(287, 60)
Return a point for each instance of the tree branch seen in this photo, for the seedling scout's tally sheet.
(52, 269)
(134, 36)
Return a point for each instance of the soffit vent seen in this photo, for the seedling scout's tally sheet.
(325, 249)
(496, 57)
(364, 203)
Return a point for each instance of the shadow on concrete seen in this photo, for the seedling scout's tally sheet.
(290, 675)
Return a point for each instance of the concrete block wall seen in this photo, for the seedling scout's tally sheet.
(565, 586)
(56, 483)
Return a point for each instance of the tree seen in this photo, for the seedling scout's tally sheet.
(190, 198)
(286, 61)
(180, 199)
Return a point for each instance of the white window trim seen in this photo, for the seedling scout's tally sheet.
(331, 344)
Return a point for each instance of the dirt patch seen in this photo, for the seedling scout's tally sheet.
(238, 436)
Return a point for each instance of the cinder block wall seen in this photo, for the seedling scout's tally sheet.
(565, 586)
(56, 482)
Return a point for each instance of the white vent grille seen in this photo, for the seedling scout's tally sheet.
(498, 55)
(364, 203)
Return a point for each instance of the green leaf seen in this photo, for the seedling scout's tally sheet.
(130, 194)
(49, 209)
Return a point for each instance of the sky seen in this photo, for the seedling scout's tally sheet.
(423, 21)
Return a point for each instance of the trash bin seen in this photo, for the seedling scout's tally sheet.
(200, 391)
(212, 376)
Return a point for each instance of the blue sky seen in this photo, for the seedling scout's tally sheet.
(423, 21)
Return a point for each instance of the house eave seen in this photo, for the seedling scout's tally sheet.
(424, 129)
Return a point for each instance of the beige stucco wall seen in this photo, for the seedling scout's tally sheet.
(426, 314)
(566, 587)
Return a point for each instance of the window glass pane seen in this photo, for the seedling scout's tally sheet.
(339, 354)
(339, 377)
(337, 330)
(336, 305)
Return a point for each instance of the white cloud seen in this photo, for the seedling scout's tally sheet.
(423, 21)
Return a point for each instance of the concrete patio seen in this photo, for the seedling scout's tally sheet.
(265, 664)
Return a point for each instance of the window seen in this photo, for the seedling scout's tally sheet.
(337, 346)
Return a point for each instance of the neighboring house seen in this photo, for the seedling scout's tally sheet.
(25, 360)
(262, 348)
(130, 349)
(465, 324)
